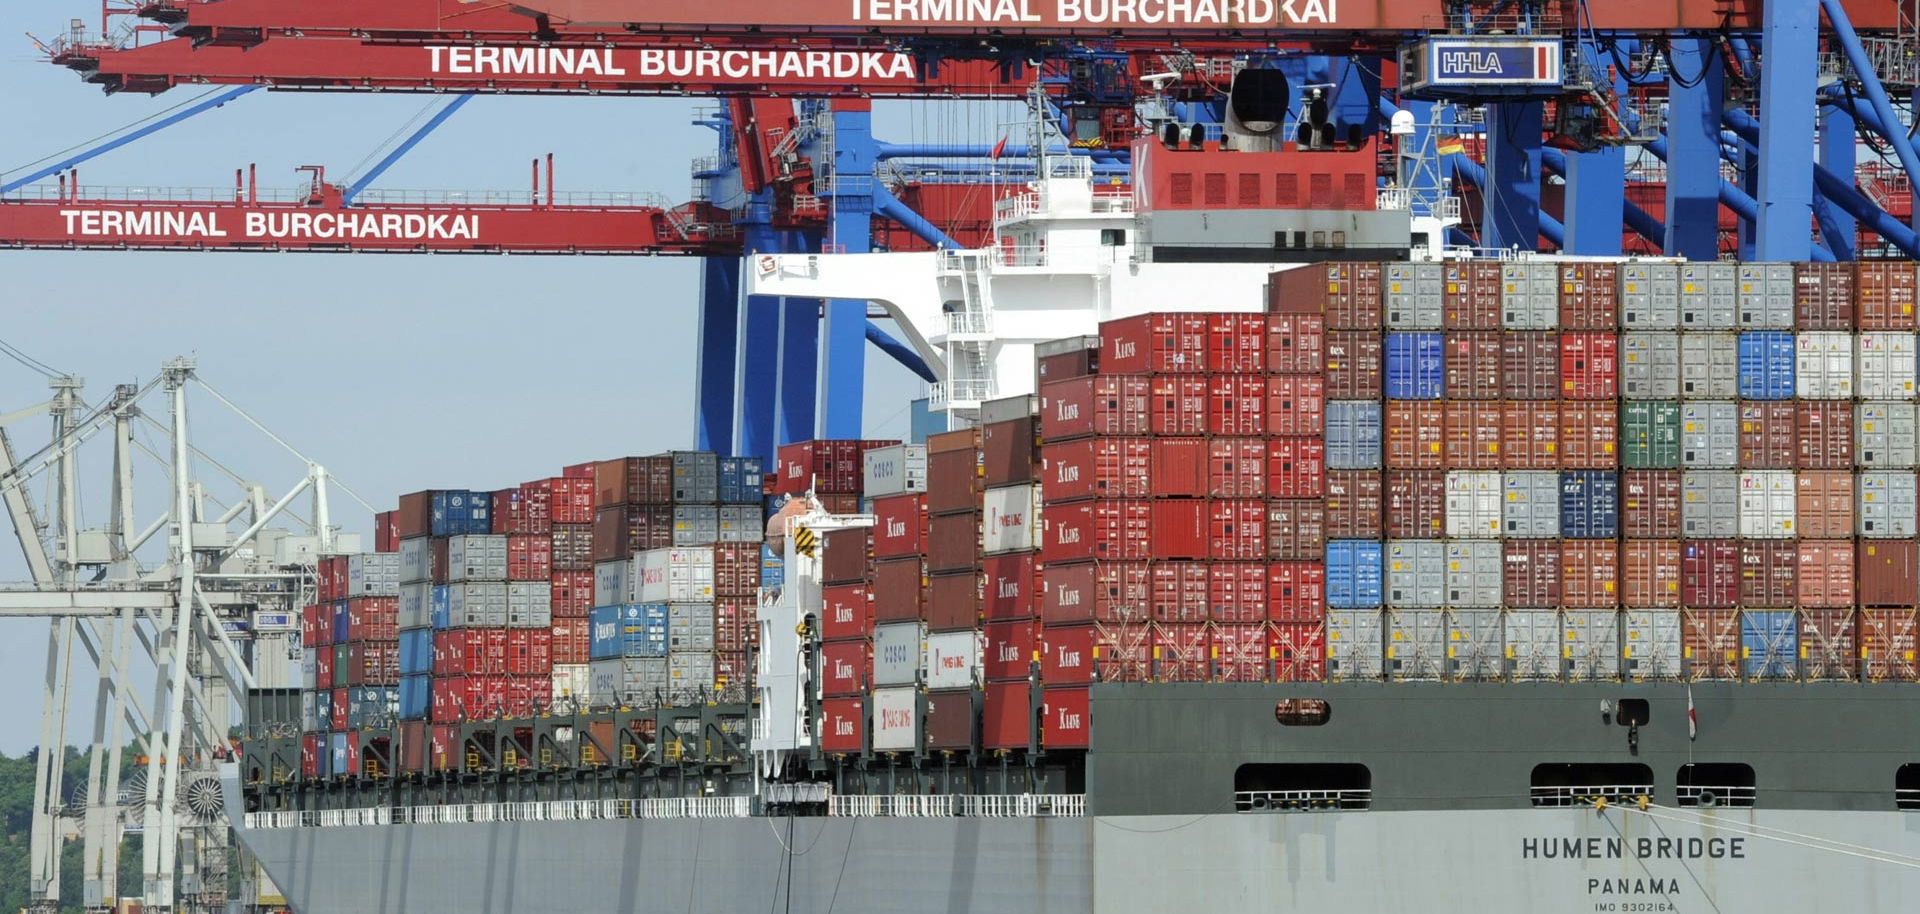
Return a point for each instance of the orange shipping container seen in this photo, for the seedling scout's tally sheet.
(1825, 578)
(1473, 365)
(1823, 504)
(1884, 294)
(1650, 571)
(1589, 574)
(1416, 504)
(1354, 364)
(1530, 435)
(1530, 365)
(1829, 645)
(1710, 639)
(1414, 434)
(1471, 295)
(1589, 435)
(1650, 504)
(1887, 645)
(1472, 436)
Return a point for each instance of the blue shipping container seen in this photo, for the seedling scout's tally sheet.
(1769, 643)
(1589, 504)
(1353, 435)
(773, 569)
(371, 706)
(1353, 574)
(632, 630)
(441, 608)
(339, 622)
(457, 512)
(323, 759)
(416, 651)
(1416, 366)
(1766, 365)
(740, 480)
(337, 751)
(416, 693)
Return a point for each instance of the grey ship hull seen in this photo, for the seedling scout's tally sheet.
(1451, 827)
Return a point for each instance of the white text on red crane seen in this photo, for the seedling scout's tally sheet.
(1102, 12)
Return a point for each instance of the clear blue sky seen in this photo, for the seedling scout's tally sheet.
(397, 372)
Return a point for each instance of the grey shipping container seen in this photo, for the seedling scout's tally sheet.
(529, 604)
(696, 478)
(894, 470)
(1532, 638)
(1474, 574)
(741, 524)
(629, 679)
(1355, 643)
(1650, 647)
(416, 605)
(1709, 434)
(416, 559)
(1413, 296)
(373, 574)
(477, 557)
(1353, 434)
(1473, 503)
(1650, 365)
(1823, 365)
(1764, 296)
(696, 525)
(1650, 296)
(1530, 504)
(477, 604)
(1885, 508)
(689, 627)
(1883, 436)
(1476, 645)
(896, 653)
(1884, 361)
(1529, 296)
(1416, 644)
(1709, 366)
(689, 673)
(615, 583)
(1709, 504)
(1416, 573)
(1593, 644)
(1708, 296)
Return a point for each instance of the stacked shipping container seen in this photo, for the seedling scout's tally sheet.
(350, 658)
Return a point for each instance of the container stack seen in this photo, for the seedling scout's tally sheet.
(832, 469)
(349, 659)
(984, 672)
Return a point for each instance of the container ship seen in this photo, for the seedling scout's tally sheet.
(1267, 563)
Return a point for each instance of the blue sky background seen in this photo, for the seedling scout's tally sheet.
(397, 372)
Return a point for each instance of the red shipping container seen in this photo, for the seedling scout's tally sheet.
(1530, 365)
(732, 667)
(846, 612)
(1010, 651)
(1296, 343)
(1768, 436)
(1094, 405)
(1241, 653)
(1180, 591)
(899, 590)
(1471, 295)
(1237, 592)
(1096, 591)
(845, 668)
(572, 641)
(843, 725)
(1823, 503)
(1472, 436)
(1296, 404)
(1767, 573)
(624, 530)
(1530, 435)
(1589, 366)
(1650, 571)
(1650, 504)
(536, 508)
(1123, 653)
(899, 525)
(571, 596)
(1178, 467)
(1300, 651)
(633, 481)
(530, 557)
(1888, 572)
(414, 516)
(573, 547)
(1589, 435)
(572, 499)
(1354, 364)
(1109, 529)
(1415, 434)
(1473, 365)
(1354, 503)
(1009, 451)
(1076, 357)
(1237, 468)
(337, 707)
(1236, 405)
(1589, 295)
(1823, 296)
(1884, 294)
(579, 470)
(1829, 645)
(1296, 467)
(386, 532)
(1296, 592)
(825, 465)
(1348, 293)
(1067, 654)
(1710, 643)
(1530, 574)
(736, 569)
(1181, 652)
(1709, 573)
(953, 601)
(1066, 718)
(1010, 586)
(1178, 405)
(1416, 504)
(734, 626)
(1096, 467)
(373, 619)
(1824, 431)
(530, 652)
(1006, 715)
(1237, 528)
(1296, 529)
(1157, 343)
(1887, 648)
(953, 543)
(323, 667)
(310, 626)
(330, 578)
(955, 481)
(508, 514)
(1237, 343)
(312, 747)
(1181, 530)
(1826, 575)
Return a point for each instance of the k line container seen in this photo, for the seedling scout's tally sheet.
(1764, 296)
(1476, 645)
(1650, 296)
(1709, 504)
(1650, 365)
(1093, 405)
(1416, 574)
(1156, 343)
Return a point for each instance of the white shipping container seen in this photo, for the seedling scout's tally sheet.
(309, 710)
(310, 668)
(1823, 365)
(1884, 434)
(682, 575)
(1767, 499)
(1011, 519)
(572, 681)
(896, 719)
(1473, 503)
(373, 574)
(613, 583)
(895, 470)
(1885, 361)
(952, 659)
(1593, 644)
(416, 559)
(689, 627)
(416, 605)
(897, 650)
(690, 671)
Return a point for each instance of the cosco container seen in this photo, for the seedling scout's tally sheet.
(1709, 366)
(1473, 574)
(1885, 362)
(1416, 366)
(1650, 433)
(1650, 365)
(1709, 434)
(1709, 504)
(1353, 435)
(615, 583)
(1650, 296)
(1885, 505)
(1590, 504)
(1766, 364)
(1593, 644)
(1355, 644)
(1650, 646)
(1767, 504)
(1413, 296)
(1708, 296)
(1823, 365)
(1530, 504)
(1416, 574)
(1473, 504)
(1416, 644)
(1764, 297)
(1354, 574)
(897, 653)
(1529, 296)
(477, 604)
(1533, 644)
(1884, 436)
(476, 558)
(1476, 645)
(895, 470)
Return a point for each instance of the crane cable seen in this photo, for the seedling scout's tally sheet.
(1770, 833)
(113, 133)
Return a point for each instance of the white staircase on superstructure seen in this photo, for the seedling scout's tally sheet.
(969, 335)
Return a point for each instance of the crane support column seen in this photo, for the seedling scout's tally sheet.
(1696, 96)
(1790, 36)
(1596, 192)
(718, 348)
(1510, 214)
(1837, 154)
(843, 358)
(799, 365)
(759, 344)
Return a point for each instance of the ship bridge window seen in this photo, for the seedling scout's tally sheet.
(1714, 784)
(1286, 787)
(1582, 784)
(1906, 787)
(1113, 238)
(1302, 712)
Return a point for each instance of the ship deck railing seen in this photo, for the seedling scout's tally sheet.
(1709, 795)
(1349, 799)
(1907, 798)
(1041, 805)
(1588, 794)
(1013, 805)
